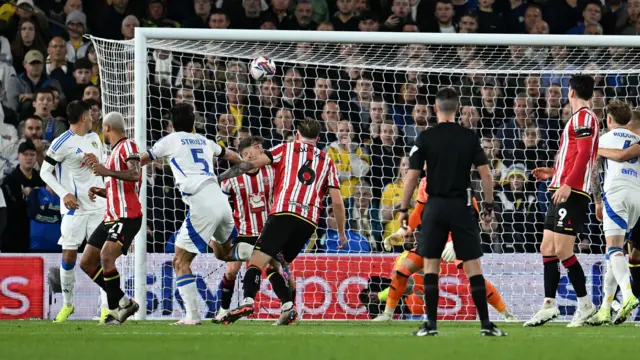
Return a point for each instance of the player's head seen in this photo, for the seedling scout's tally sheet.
(446, 103)
(113, 127)
(618, 114)
(308, 129)
(78, 114)
(581, 87)
(182, 117)
(250, 147)
(634, 124)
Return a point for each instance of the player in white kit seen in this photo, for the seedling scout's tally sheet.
(71, 182)
(191, 159)
(619, 210)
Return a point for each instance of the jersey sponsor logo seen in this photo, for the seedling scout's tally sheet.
(302, 206)
(630, 172)
(21, 287)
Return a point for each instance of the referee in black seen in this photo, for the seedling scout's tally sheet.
(450, 151)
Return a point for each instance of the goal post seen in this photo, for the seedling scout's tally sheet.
(391, 63)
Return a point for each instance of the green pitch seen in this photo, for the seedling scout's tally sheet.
(246, 340)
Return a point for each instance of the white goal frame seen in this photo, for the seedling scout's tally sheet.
(143, 35)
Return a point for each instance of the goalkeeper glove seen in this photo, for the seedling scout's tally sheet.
(395, 239)
(448, 254)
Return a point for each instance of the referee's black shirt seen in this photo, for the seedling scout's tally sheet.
(449, 150)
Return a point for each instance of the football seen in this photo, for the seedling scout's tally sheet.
(262, 68)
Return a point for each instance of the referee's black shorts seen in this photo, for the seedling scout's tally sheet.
(444, 215)
(285, 233)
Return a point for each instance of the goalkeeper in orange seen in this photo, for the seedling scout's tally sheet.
(412, 263)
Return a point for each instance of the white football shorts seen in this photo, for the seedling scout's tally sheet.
(209, 215)
(620, 212)
(78, 227)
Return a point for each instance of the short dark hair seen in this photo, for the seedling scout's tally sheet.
(218, 12)
(593, 2)
(42, 90)
(26, 146)
(583, 85)
(447, 100)
(249, 142)
(92, 102)
(34, 117)
(471, 14)
(83, 63)
(308, 128)
(620, 111)
(182, 117)
(75, 110)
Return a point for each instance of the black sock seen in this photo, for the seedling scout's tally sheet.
(479, 295)
(634, 268)
(576, 275)
(279, 285)
(251, 282)
(97, 277)
(431, 297)
(227, 292)
(551, 276)
(112, 287)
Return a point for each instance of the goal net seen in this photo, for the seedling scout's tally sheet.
(371, 99)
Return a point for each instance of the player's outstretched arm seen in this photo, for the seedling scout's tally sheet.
(245, 166)
(46, 174)
(339, 213)
(232, 156)
(631, 152)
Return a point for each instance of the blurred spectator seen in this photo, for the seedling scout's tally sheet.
(108, 20)
(356, 242)
(263, 107)
(468, 23)
(531, 151)
(352, 162)
(633, 9)
(129, 25)
(323, 92)
(391, 199)
(325, 26)
(28, 38)
(443, 17)
(69, 6)
(282, 125)
(532, 15)
(330, 119)
(21, 89)
(517, 212)
(156, 15)
(358, 108)
(549, 116)
(489, 21)
(202, 9)
(17, 187)
(293, 96)
(302, 19)
(599, 103)
(58, 67)
(515, 15)
(592, 13)
(420, 116)
(226, 129)
(378, 111)
(11, 15)
(386, 152)
(82, 71)
(43, 208)
(359, 215)
(251, 18)
(236, 103)
(491, 108)
(76, 46)
(43, 105)
(344, 19)
(615, 16)
(187, 96)
(278, 13)
(91, 92)
(512, 129)
(492, 148)
(407, 98)
(559, 63)
(469, 117)
(368, 21)
(593, 28)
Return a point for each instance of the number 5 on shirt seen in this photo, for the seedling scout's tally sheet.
(197, 153)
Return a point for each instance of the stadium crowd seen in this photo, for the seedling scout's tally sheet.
(369, 117)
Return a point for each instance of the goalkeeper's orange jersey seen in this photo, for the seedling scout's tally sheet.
(416, 216)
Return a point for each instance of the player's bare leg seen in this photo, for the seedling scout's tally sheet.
(67, 282)
(549, 309)
(407, 267)
(564, 251)
(186, 282)
(90, 265)
(120, 306)
(620, 269)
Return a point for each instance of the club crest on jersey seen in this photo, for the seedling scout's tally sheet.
(95, 144)
(265, 181)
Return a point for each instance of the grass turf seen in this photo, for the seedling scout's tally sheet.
(156, 340)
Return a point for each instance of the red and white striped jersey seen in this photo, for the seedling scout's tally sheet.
(583, 126)
(122, 196)
(252, 196)
(303, 175)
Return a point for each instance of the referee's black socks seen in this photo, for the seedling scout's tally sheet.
(431, 295)
(479, 295)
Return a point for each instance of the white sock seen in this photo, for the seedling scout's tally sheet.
(247, 301)
(124, 302)
(389, 311)
(609, 287)
(620, 268)
(584, 301)
(286, 306)
(550, 302)
(67, 281)
(104, 304)
(189, 294)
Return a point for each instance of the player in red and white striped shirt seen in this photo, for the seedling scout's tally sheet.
(303, 175)
(252, 197)
(571, 182)
(122, 219)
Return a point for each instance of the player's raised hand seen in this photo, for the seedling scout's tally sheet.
(70, 202)
(599, 210)
(542, 173)
(343, 240)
